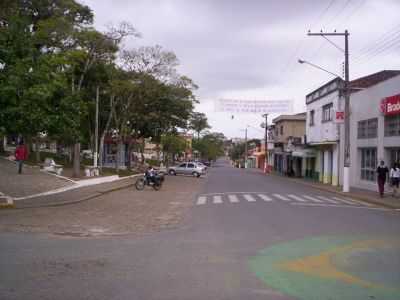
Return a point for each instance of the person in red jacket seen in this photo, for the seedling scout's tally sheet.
(21, 154)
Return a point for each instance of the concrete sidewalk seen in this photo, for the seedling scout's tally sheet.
(35, 188)
(359, 194)
(31, 181)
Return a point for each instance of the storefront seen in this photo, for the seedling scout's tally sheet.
(390, 107)
(304, 163)
(374, 131)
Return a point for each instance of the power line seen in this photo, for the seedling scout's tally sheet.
(383, 38)
(300, 43)
(379, 48)
(353, 12)
(339, 12)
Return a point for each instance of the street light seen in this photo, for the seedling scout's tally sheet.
(301, 61)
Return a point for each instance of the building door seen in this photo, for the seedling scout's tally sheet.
(394, 156)
(330, 166)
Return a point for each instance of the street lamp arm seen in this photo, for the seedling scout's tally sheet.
(318, 67)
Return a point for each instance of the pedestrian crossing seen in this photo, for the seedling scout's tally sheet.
(316, 200)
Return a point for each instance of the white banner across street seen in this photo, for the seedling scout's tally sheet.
(253, 106)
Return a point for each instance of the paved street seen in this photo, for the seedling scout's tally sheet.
(241, 235)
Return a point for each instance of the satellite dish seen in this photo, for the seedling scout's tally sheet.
(262, 125)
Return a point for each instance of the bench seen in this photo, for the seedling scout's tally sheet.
(91, 171)
(50, 165)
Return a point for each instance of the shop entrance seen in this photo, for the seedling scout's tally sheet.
(394, 156)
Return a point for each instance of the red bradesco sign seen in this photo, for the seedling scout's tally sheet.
(391, 105)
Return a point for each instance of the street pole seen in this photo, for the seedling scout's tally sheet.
(346, 170)
(96, 130)
(245, 148)
(266, 143)
(346, 90)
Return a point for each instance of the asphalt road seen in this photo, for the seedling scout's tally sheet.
(246, 236)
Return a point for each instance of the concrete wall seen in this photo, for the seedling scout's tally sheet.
(295, 128)
(322, 131)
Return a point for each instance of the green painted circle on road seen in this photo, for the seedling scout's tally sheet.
(334, 267)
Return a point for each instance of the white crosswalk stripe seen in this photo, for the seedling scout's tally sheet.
(249, 197)
(313, 199)
(233, 198)
(253, 197)
(201, 200)
(351, 201)
(265, 197)
(297, 198)
(281, 197)
(347, 201)
(217, 199)
(328, 199)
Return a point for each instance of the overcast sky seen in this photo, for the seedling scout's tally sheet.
(240, 49)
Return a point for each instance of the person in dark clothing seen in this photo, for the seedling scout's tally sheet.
(382, 172)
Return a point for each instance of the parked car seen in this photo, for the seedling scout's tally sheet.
(206, 163)
(201, 164)
(187, 168)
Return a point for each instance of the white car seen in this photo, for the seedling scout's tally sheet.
(187, 168)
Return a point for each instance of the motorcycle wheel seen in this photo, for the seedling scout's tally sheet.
(140, 184)
(157, 186)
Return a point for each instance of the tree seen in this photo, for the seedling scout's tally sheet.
(152, 60)
(198, 122)
(33, 36)
(210, 146)
(172, 145)
(237, 151)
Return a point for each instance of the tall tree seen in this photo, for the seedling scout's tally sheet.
(198, 122)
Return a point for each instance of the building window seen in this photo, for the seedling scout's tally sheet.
(312, 113)
(327, 112)
(368, 164)
(367, 129)
(281, 129)
(392, 125)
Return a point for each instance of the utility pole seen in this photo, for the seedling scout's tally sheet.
(245, 148)
(266, 143)
(96, 130)
(346, 90)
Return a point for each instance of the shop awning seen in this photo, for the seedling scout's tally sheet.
(322, 143)
(305, 153)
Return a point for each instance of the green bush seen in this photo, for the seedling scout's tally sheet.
(153, 162)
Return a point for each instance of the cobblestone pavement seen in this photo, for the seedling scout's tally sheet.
(31, 181)
(120, 212)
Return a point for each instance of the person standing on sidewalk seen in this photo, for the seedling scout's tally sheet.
(395, 178)
(21, 154)
(382, 171)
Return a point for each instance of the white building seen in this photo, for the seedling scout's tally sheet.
(323, 133)
(374, 127)
(374, 135)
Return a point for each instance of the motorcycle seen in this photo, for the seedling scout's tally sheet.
(156, 181)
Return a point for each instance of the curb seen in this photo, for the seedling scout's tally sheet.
(83, 199)
(356, 197)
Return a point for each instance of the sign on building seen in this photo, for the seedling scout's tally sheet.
(253, 106)
(339, 117)
(391, 105)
